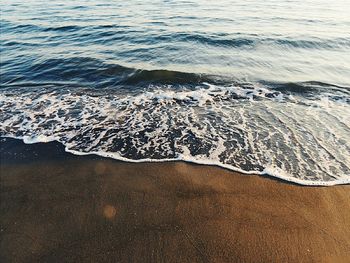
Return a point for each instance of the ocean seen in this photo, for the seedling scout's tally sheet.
(259, 87)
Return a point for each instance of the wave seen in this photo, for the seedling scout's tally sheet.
(69, 28)
(111, 33)
(251, 128)
(251, 41)
(89, 70)
(80, 71)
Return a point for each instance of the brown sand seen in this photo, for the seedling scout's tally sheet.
(84, 210)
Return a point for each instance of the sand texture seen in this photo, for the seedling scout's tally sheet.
(56, 207)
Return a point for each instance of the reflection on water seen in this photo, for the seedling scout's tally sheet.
(251, 40)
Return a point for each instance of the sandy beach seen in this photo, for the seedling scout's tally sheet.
(175, 131)
(57, 207)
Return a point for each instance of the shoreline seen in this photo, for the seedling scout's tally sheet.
(56, 205)
(117, 157)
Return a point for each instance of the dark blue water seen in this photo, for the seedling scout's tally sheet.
(253, 86)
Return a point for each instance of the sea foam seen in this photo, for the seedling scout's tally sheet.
(250, 129)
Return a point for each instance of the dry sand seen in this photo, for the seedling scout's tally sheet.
(81, 209)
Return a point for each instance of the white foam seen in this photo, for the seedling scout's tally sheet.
(39, 138)
(252, 130)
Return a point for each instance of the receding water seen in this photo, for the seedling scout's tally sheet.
(253, 86)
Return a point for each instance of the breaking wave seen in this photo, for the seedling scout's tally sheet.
(298, 132)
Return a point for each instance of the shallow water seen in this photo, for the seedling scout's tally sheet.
(253, 86)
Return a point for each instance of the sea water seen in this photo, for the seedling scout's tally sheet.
(258, 87)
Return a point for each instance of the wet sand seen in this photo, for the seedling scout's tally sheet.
(57, 207)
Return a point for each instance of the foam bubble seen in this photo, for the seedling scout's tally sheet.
(251, 129)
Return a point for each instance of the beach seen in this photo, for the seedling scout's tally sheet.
(175, 131)
(57, 207)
